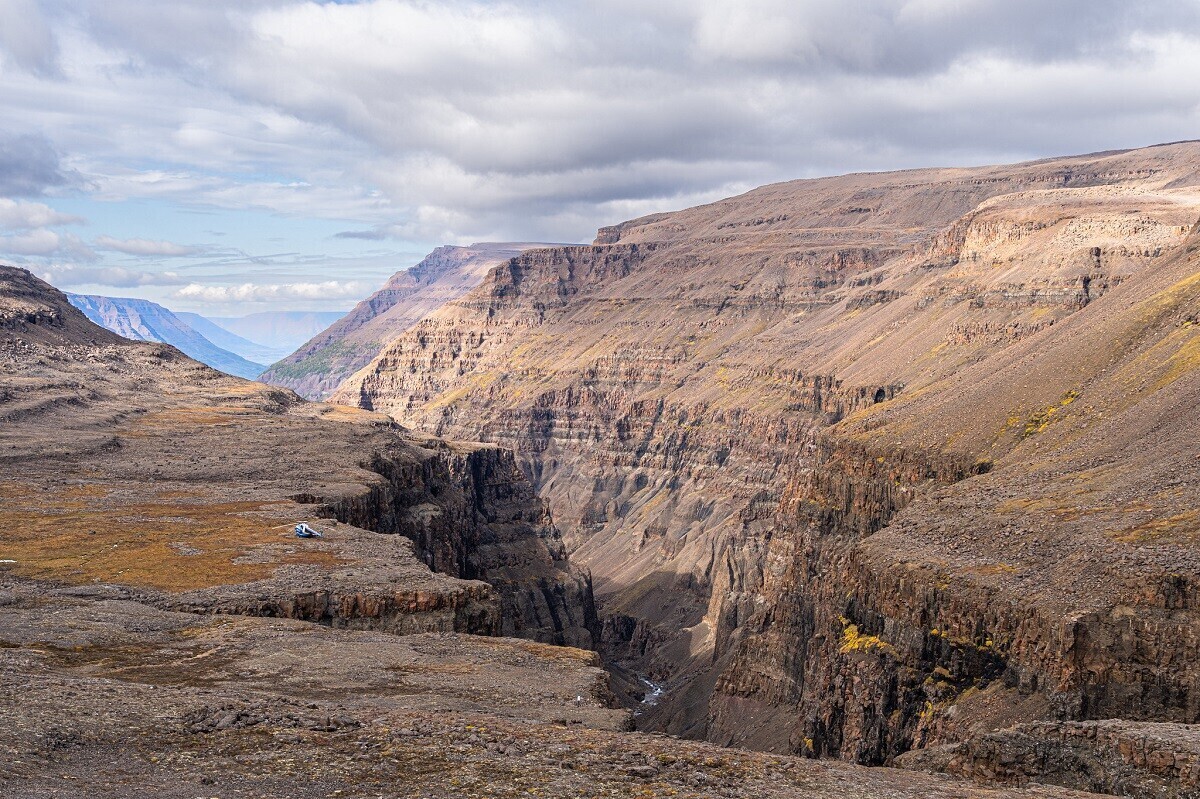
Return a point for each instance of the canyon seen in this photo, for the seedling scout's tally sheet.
(880, 485)
(861, 465)
(165, 632)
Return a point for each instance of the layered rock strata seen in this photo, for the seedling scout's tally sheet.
(1157, 761)
(314, 370)
(846, 457)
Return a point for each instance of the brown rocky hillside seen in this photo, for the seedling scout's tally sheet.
(862, 464)
(316, 369)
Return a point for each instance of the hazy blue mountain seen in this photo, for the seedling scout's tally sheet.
(250, 350)
(148, 321)
(283, 332)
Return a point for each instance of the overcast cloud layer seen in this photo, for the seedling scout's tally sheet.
(134, 133)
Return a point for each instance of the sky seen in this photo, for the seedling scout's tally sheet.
(235, 156)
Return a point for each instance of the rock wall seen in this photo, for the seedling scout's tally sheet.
(474, 609)
(316, 368)
(862, 649)
(1156, 761)
(471, 514)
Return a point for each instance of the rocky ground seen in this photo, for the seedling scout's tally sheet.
(102, 696)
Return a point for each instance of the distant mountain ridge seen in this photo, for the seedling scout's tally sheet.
(280, 332)
(315, 369)
(142, 320)
(250, 350)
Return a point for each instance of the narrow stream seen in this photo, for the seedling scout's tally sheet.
(654, 692)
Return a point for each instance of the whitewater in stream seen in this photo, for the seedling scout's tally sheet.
(654, 692)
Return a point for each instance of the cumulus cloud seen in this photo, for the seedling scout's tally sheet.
(43, 242)
(257, 292)
(24, 215)
(38, 242)
(67, 274)
(145, 247)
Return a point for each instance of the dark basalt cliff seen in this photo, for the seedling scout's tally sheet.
(861, 464)
(1157, 761)
(472, 514)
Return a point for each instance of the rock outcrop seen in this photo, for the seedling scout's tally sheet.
(847, 458)
(1156, 761)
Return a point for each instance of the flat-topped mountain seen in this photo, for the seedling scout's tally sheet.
(862, 464)
(316, 368)
(142, 320)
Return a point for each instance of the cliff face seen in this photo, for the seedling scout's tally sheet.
(473, 515)
(842, 455)
(1157, 761)
(128, 463)
(317, 367)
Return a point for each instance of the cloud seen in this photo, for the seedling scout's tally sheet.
(912, 37)
(298, 198)
(251, 292)
(29, 165)
(376, 234)
(465, 120)
(114, 276)
(145, 247)
(526, 119)
(24, 215)
(26, 40)
(37, 242)
(42, 242)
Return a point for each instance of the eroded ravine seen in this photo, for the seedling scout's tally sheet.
(706, 400)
